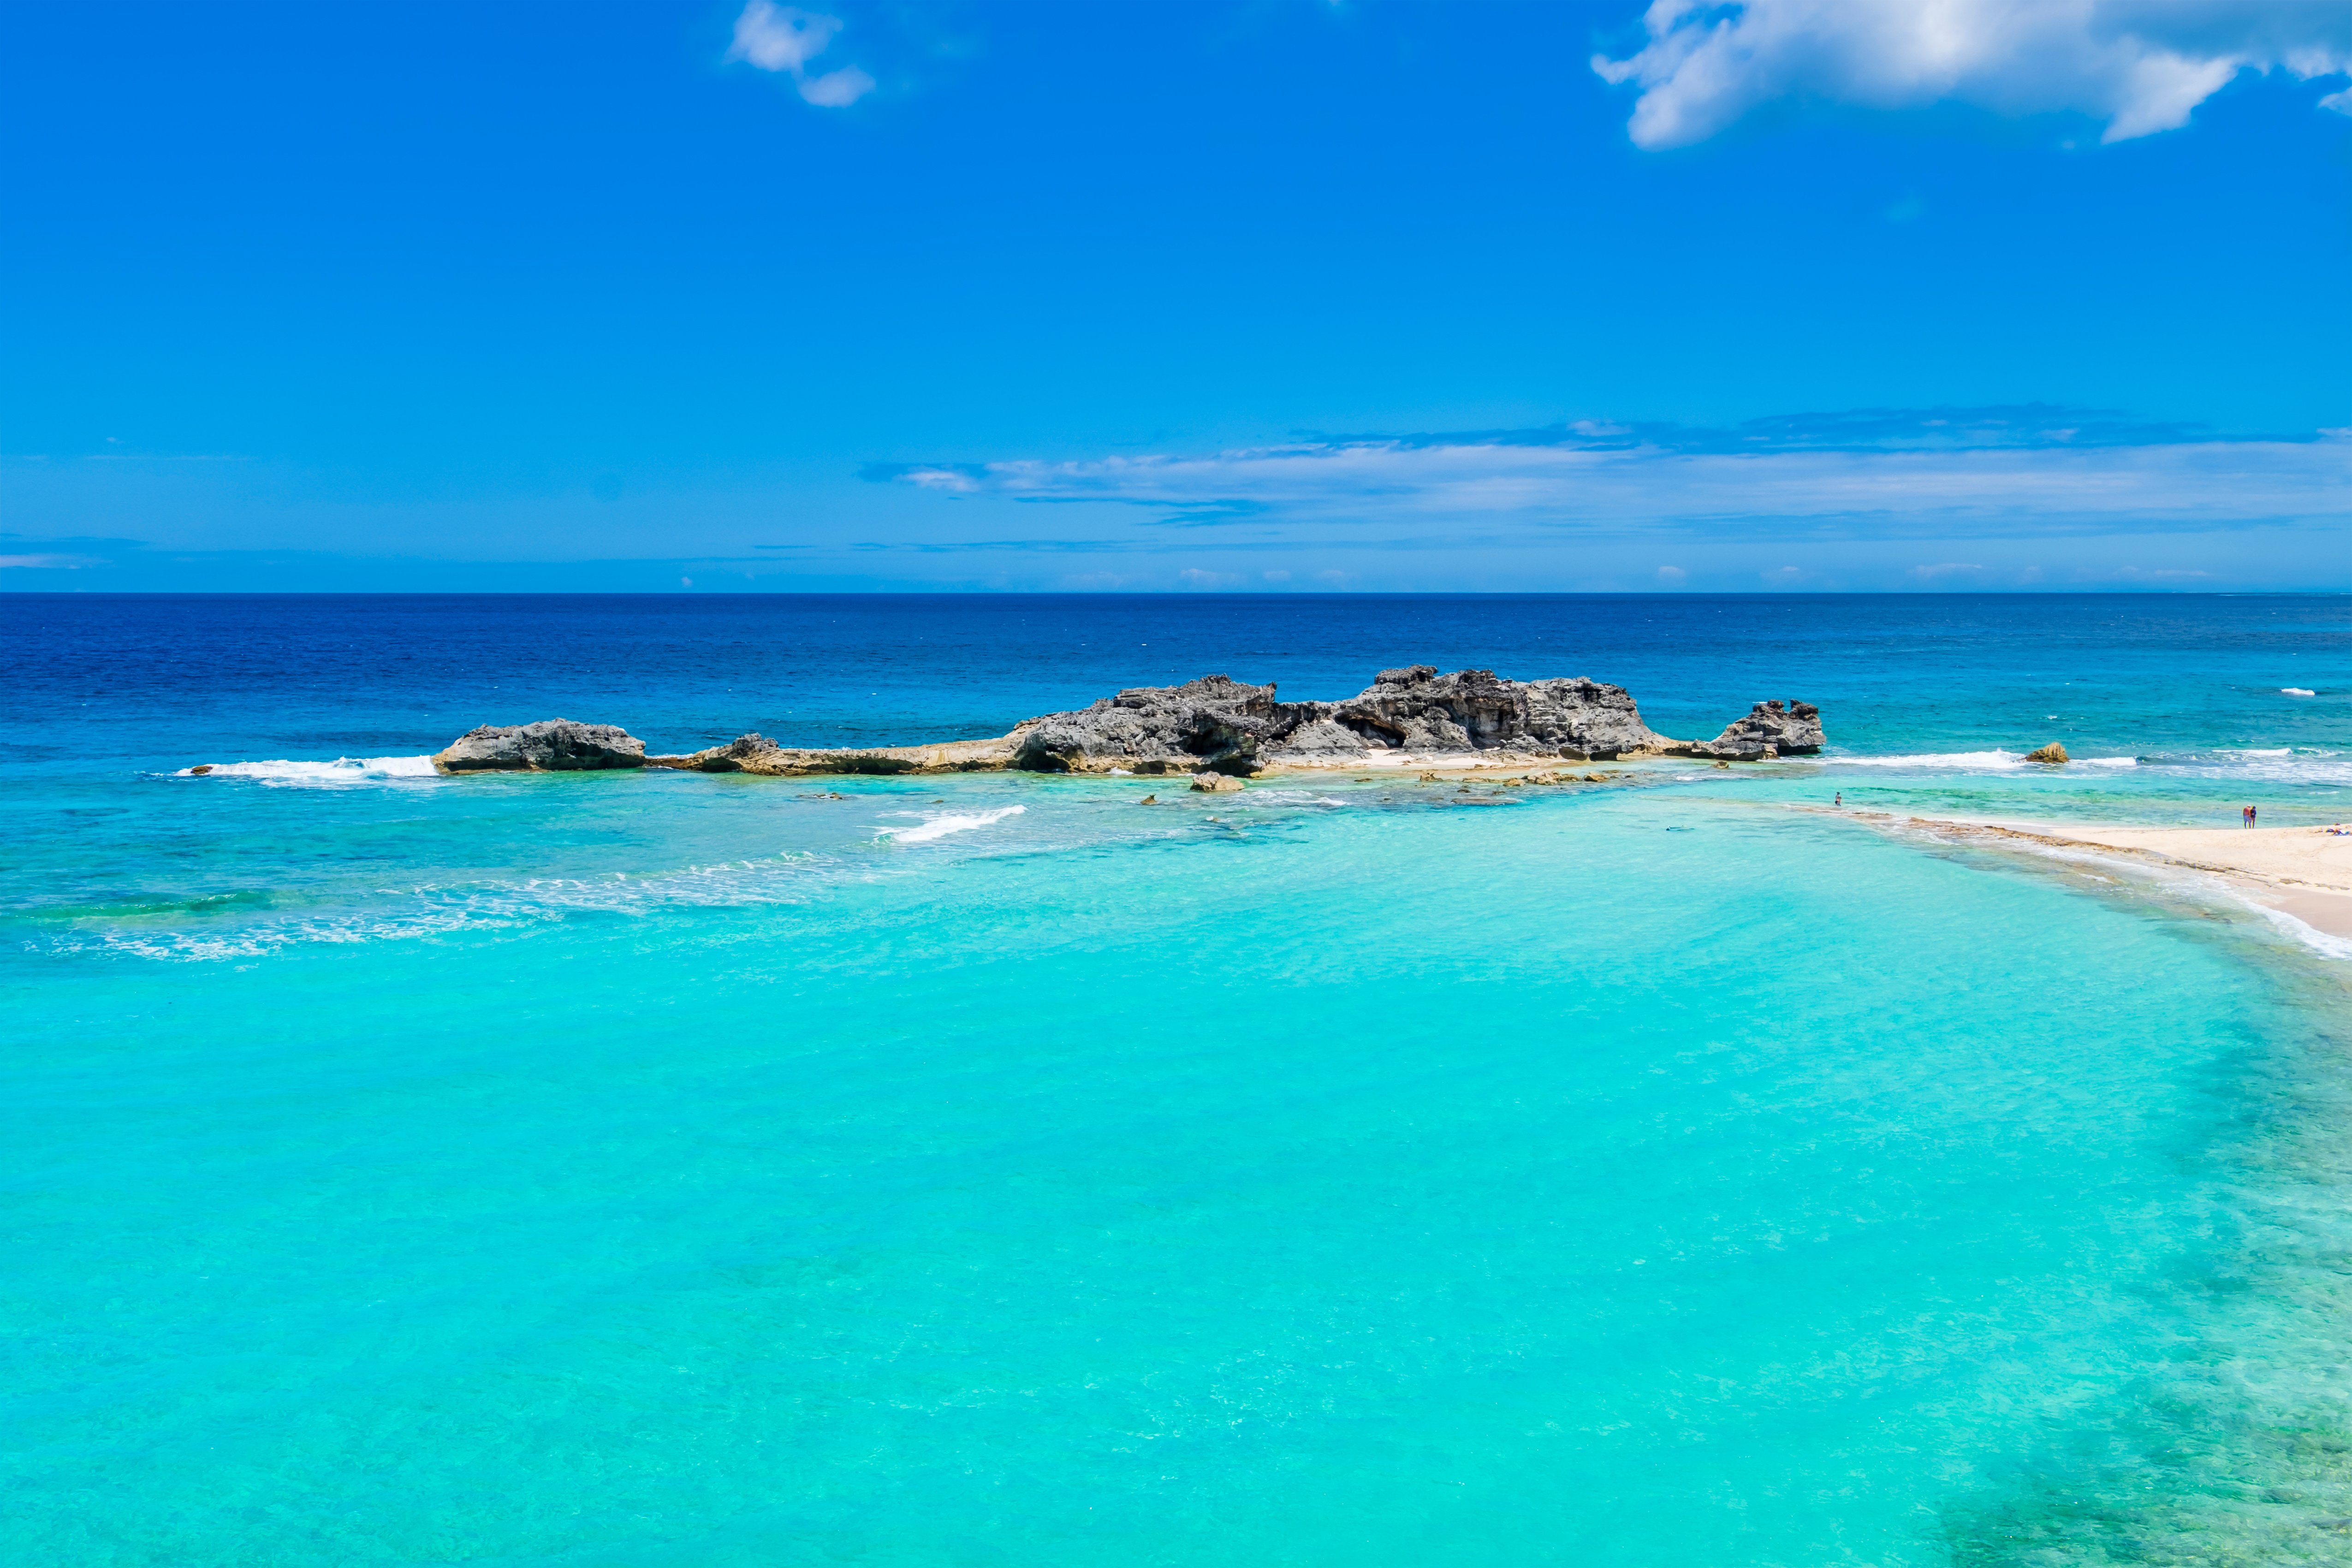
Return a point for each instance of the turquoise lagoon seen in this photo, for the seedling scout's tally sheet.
(661, 1169)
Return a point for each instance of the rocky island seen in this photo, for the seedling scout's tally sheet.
(1215, 724)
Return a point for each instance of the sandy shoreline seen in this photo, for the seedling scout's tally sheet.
(2304, 872)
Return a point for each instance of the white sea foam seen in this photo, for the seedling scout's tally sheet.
(431, 911)
(1979, 759)
(939, 827)
(2272, 764)
(2311, 936)
(283, 773)
(2296, 691)
(1292, 797)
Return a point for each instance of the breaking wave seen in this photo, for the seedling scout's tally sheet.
(2284, 764)
(1977, 760)
(949, 822)
(284, 774)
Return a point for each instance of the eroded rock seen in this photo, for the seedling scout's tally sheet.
(549, 745)
(729, 758)
(1220, 724)
(1770, 730)
(2052, 753)
(1215, 723)
(1416, 708)
(1212, 725)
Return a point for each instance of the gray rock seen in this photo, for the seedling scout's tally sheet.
(736, 755)
(1224, 725)
(1768, 729)
(551, 745)
(1417, 710)
(1215, 723)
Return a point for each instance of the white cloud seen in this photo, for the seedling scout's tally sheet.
(47, 563)
(785, 38)
(2139, 65)
(1454, 483)
(837, 90)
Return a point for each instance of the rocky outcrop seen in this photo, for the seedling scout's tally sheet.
(1222, 725)
(1211, 783)
(1770, 730)
(727, 759)
(755, 753)
(1212, 725)
(551, 745)
(1215, 724)
(1417, 710)
(2052, 753)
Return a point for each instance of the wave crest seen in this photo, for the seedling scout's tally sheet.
(946, 822)
(284, 773)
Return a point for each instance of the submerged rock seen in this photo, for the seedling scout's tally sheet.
(2052, 753)
(551, 745)
(1768, 729)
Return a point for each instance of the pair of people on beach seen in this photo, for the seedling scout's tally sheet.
(2247, 816)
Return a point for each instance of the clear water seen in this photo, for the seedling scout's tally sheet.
(658, 1169)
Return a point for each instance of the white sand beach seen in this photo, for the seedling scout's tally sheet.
(2303, 871)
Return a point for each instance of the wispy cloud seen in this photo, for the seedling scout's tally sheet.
(785, 38)
(2140, 66)
(48, 562)
(1878, 474)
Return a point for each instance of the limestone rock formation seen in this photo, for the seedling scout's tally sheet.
(551, 745)
(2052, 753)
(1228, 726)
(1212, 725)
(729, 758)
(1415, 708)
(755, 753)
(1211, 783)
(1770, 730)
(1215, 723)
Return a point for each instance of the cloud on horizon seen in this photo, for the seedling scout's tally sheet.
(1872, 474)
(785, 38)
(2140, 66)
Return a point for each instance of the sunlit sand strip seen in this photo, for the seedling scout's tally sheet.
(2302, 872)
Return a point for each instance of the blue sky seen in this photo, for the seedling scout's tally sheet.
(1278, 295)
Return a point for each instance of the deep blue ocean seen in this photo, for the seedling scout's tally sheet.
(650, 1170)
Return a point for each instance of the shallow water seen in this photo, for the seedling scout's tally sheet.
(667, 1169)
